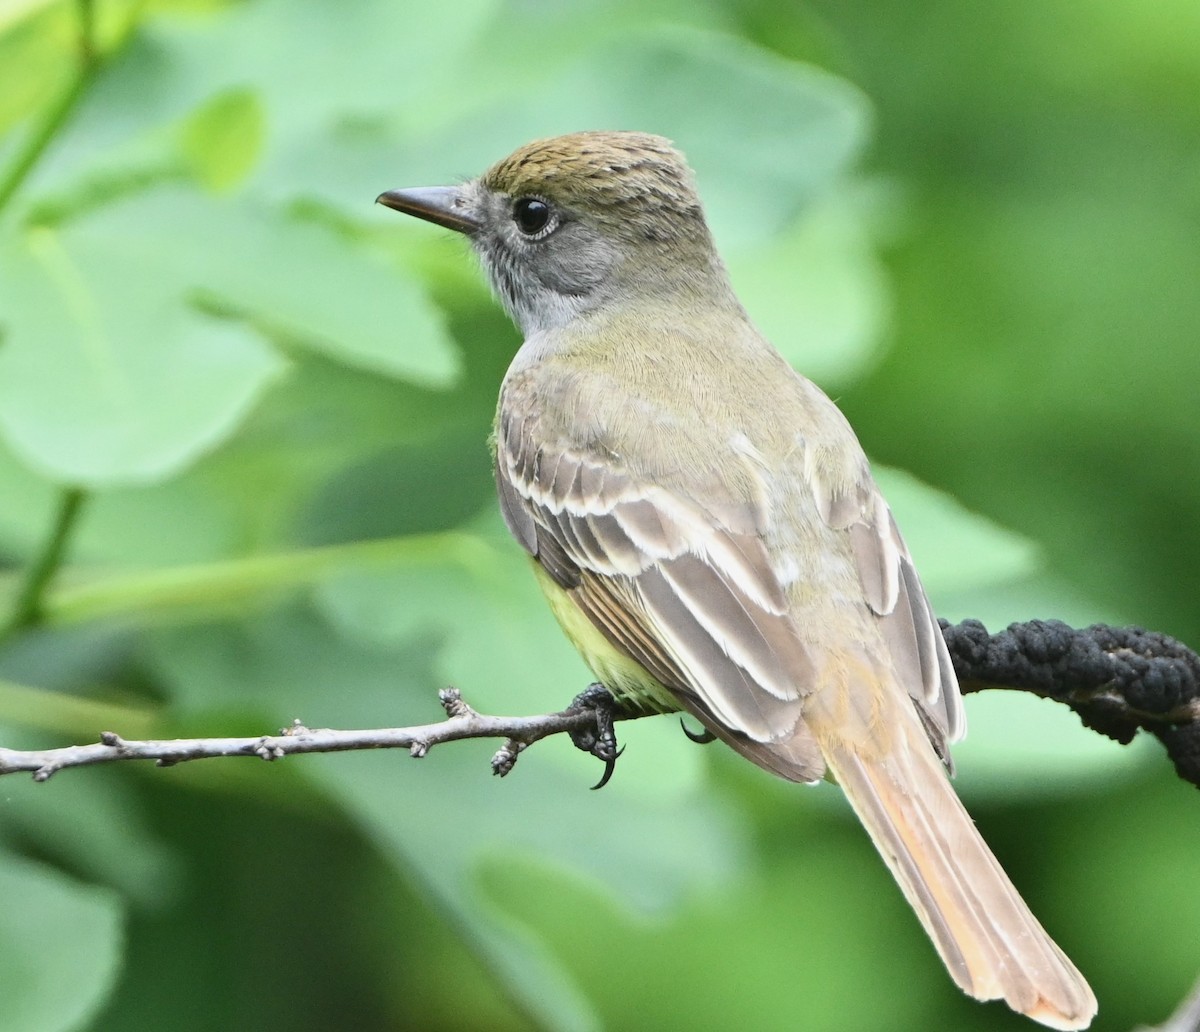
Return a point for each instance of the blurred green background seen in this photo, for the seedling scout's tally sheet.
(977, 226)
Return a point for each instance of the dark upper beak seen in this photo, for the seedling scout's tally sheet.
(444, 205)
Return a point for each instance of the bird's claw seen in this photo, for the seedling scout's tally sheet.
(701, 737)
(600, 739)
(609, 766)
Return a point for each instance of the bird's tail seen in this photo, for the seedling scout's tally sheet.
(993, 947)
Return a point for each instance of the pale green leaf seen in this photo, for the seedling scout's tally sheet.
(105, 377)
(974, 569)
(96, 824)
(296, 278)
(953, 547)
(36, 59)
(773, 138)
(222, 140)
(60, 945)
(28, 502)
(818, 291)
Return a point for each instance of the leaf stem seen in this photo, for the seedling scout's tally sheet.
(89, 60)
(87, 33)
(170, 592)
(28, 609)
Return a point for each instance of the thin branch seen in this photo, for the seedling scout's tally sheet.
(462, 722)
(1119, 680)
(27, 610)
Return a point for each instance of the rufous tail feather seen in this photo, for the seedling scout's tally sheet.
(991, 943)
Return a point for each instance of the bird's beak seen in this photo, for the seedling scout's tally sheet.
(444, 205)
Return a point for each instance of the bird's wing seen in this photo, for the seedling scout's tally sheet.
(893, 592)
(688, 592)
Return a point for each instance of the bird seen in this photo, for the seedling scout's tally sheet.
(705, 526)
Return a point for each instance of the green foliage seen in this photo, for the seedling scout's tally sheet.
(223, 140)
(277, 397)
(54, 933)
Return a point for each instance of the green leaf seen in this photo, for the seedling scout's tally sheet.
(69, 713)
(60, 945)
(817, 885)
(773, 138)
(953, 548)
(107, 378)
(28, 503)
(96, 825)
(403, 54)
(1021, 746)
(444, 821)
(299, 279)
(818, 291)
(16, 11)
(973, 568)
(36, 57)
(222, 141)
(331, 454)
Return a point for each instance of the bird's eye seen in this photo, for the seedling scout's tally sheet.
(532, 216)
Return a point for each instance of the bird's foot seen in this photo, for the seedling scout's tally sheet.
(600, 739)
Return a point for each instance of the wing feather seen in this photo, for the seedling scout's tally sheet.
(619, 554)
(693, 601)
(517, 516)
(893, 591)
(760, 642)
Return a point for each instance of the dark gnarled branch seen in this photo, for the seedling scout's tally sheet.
(1119, 680)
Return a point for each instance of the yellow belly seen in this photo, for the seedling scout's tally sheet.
(627, 679)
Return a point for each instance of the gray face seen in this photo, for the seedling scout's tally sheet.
(570, 225)
(547, 263)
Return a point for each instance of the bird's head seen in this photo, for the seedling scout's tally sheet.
(569, 224)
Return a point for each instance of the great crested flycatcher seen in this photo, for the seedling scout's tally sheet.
(704, 523)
